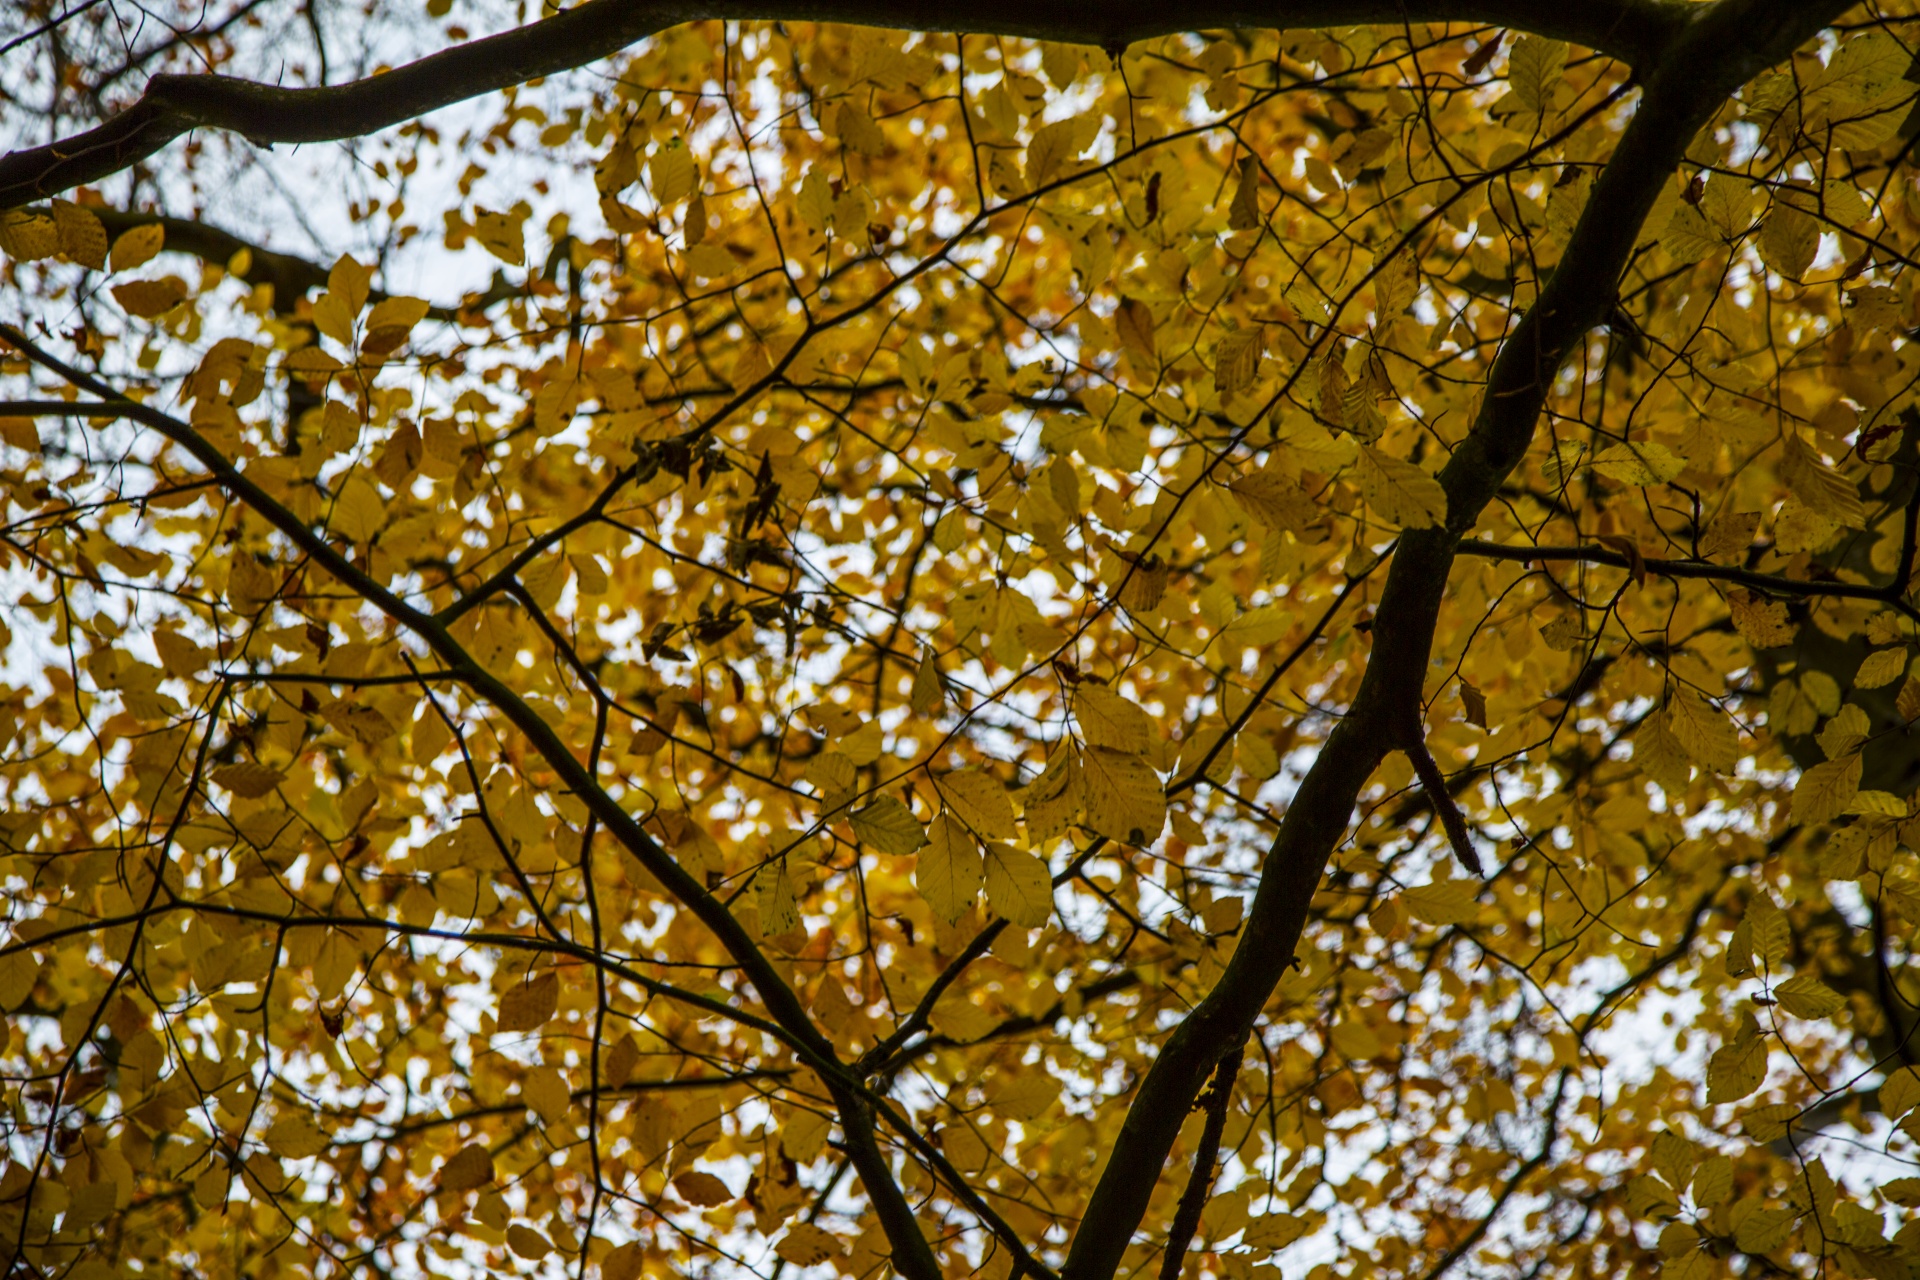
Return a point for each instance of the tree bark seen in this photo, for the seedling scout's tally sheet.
(1636, 31)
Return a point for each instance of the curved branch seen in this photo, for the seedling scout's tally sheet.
(1636, 31)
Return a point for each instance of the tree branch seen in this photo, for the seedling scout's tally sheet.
(1636, 31)
(1774, 583)
(1431, 781)
(1720, 50)
(1186, 1218)
(291, 276)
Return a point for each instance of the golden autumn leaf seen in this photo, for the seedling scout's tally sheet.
(1825, 790)
(1123, 796)
(702, 1189)
(978, 799)
(528, 1006)
(1018, 887)
(136, 246)
(806, 1246)
(467, 1168)
(1399, 492)
(949, 870)
(149, 298)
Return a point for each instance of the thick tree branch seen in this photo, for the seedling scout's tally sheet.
(1724, 47)
(1637, 31)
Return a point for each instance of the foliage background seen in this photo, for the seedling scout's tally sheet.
(725, 735)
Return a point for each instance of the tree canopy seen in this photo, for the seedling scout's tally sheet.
(1034, 642)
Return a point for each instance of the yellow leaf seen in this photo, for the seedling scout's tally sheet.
(864, 745)
(1900, 1092)
(1844, 732)
(528, 1243)
(1650, 1197)
(468, 1168)
(1763, 623)
(701, 1189)
(311, 360)
(1819, 486)
(949, 870)
(1021, 1094)
(1399, 492)
(1639, 463)
(27, 236)
(1660, 755)
(773, 893)
(1236, 361)
(554, 405)
(710, 261)
(1771, 936)
(806, 1245)
(296, 1137)
(1052, 801)
(980, 801)
(889, 826)
(805, 1134)
(671, 174)
(136, 246)
(1050, 148)
(149, 298)
(1687, 237)
(350, 282)
(1534, 68)
(1703, 731)
(1789, 240)
(1712, 1181)
(1109, 720)
(1825, 790)
(359, 512)
(1134, 323)
(396, 313)
(1877, 804)
(1124, 797)
(1256, 628)
(529, 1006)
(501, 235)
(1881, 668)
(1736, 1070)
(1355, 1041)
(1762, 1230)
(928, 692)
(1444, 902)
(545, 1091)
(1018, 886)
(82, 238)
(247, 779)
(20, 433)
(857, 130)
(1805, 996)
(1275, 501)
